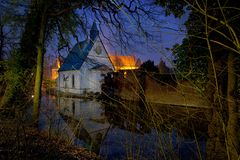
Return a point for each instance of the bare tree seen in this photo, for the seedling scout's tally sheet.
(68, 18)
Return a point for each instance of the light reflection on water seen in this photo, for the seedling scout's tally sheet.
(116, 131)
(52, 122)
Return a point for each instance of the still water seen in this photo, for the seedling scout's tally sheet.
(124, 130)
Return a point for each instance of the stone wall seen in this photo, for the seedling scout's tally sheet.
(181, 93)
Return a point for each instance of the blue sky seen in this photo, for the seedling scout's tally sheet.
(164, 34)
(150, 42)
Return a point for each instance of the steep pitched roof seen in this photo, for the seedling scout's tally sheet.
(76, 56)
(79, 52)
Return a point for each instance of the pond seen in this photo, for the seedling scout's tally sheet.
(127, 130)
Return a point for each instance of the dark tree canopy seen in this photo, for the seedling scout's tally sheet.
(149, 66)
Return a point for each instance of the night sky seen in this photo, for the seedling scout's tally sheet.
(150, 42)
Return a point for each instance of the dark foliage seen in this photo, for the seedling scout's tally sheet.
(149, 66)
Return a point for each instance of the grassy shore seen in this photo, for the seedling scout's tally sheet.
(18, 141)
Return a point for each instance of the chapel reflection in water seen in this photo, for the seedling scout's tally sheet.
(98, 122)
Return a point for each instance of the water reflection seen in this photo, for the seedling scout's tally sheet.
(52, 122)
(125, 130)
(160, 131)
(86, 119)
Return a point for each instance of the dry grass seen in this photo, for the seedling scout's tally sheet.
(25, 142)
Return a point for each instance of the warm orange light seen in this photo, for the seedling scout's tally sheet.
(126, 68)
(124, 62)
(125, 74)
(54, 74)
(58, 63)
(54, 71)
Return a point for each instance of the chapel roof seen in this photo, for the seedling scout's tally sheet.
(79, 52)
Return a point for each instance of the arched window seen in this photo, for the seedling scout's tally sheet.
(64, 79)
(73, 81)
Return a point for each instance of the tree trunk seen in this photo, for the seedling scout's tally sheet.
(1, 42)
(232, 124)
(22, 63)
(39, 71)
(215, 142)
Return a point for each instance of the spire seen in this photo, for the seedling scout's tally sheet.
(94, 31)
